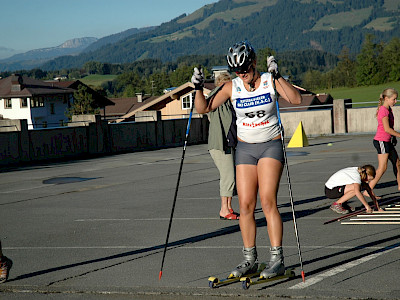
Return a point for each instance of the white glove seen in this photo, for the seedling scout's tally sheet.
(272, 65)
(198, 79)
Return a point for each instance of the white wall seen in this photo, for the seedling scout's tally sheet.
(315, 122)
(37, 114)
(364, 119)
(16, 112)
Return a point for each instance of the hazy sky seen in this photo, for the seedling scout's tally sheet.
(33, 24)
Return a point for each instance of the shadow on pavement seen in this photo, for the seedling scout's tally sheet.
(346, 251)
(260, 222)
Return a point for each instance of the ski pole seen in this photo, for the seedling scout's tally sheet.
(176, 189)
(289, 184)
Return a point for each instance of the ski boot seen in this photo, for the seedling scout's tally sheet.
(275, 266)
(248, 265)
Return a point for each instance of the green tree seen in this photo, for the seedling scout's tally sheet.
(75, 74)
(391, 61)
(93, 67)
(312, 79)
(182, 74)
(38, 73)
(262, 56)
(156, 83)
(128, 84)
(129, 91)
(83, 103)
(344, 73)
(367, 62)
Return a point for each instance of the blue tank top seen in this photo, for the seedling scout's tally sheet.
(256, 115)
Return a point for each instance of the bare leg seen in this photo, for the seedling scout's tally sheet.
(349, 193)
(398, 174)
(382, 166)
(269, 174)
(225, 205)
(246, 180)
(229, 200)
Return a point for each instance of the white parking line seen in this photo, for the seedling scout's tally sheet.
(96, 220)
(339, 269)
(23, 190)
(149, 219)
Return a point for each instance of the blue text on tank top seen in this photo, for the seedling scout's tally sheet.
(253, 101)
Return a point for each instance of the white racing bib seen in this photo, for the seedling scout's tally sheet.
(256, 115)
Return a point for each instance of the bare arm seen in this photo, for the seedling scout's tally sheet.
(386, 127)
(203, 107)
(372, 195)
(287, 91)
(360, 197)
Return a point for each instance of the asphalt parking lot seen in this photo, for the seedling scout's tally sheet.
(96, 228)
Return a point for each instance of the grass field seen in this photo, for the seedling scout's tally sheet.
(97, 80)
(361, 94)
(343, 19)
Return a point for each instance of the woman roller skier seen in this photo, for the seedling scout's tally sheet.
(259, 153)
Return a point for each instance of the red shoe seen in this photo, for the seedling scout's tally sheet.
(232, 212)
(231, 216)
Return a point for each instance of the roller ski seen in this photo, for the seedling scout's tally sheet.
(275, 270)
(248, 281)
(249, 268)
(214, 282)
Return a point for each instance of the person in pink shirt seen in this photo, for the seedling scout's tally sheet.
(385, 137)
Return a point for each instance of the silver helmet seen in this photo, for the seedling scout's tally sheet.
(240, 57)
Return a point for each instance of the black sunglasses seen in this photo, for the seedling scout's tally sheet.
(245, 71)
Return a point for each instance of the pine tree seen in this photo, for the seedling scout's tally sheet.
(391, 61)
(344, 72)
(367, 62)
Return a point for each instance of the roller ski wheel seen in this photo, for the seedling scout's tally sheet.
(214, 282)
(247, 281)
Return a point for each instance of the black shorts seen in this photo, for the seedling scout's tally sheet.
(383, 147)
(334, 193)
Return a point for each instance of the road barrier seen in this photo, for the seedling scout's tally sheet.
(89, 136)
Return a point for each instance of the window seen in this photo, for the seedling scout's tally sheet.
(187, 101)
(24, 102)
(37, 101)
(7, 103)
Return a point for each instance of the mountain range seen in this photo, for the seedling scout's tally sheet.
(282, 25)
(37, 57)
